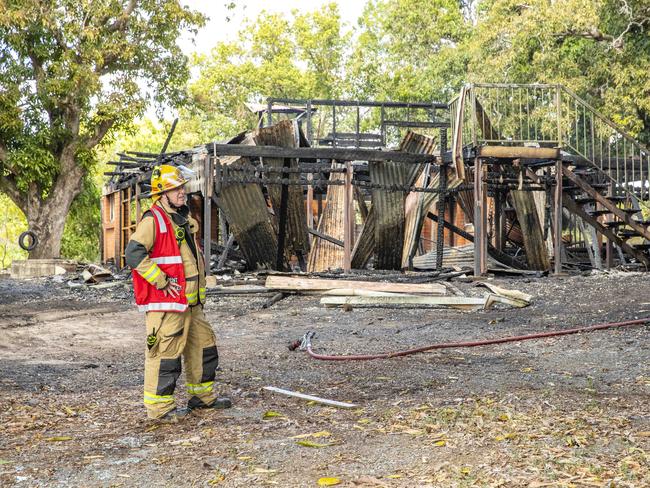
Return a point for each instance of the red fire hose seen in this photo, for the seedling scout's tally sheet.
(306, 345)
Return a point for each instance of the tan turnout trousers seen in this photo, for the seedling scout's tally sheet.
(185, 334)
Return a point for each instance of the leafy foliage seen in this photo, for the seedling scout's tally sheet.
(72, 72)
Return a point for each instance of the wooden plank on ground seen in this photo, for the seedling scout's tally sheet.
(463, 303)
(291, 283)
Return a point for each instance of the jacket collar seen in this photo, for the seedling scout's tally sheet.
(180, 216)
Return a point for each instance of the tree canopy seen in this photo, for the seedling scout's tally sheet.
(72, 72)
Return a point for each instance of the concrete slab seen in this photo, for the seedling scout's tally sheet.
(33, 268)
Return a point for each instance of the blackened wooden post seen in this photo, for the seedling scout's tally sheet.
(609, 247)
(269, 113)
(310, 202)
(499, 198)
(207, 213)
(348, 219)
(284, 201)
(310, 129)
(480, 241)
(557, 224)
(442, 197)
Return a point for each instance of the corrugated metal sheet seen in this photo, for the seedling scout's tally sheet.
(461, 256)
(324, 255)
(418, 144)
(416, 202)
(383, 231)
(364, 247)
(284, 134)
(389, 212)
(198, 166)
(245, 209)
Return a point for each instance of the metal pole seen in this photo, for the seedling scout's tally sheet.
(310, 129)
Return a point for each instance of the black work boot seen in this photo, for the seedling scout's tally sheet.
(174, 415)
(220, 403)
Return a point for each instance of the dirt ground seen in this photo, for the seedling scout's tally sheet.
(564, 411)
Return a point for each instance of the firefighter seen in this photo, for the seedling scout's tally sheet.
(169, 285)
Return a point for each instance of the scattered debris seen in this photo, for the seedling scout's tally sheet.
(95, 274)
(311, 398)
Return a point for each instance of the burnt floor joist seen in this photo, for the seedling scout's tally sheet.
(337, 154)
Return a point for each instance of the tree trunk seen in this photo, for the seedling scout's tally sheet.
(46, 218)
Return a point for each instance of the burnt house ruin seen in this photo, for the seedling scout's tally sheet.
(505, 177)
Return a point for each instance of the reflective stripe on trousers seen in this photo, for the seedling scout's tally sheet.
(198, 388)
(152, 399)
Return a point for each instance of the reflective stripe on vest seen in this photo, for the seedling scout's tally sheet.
(161, 221)
(168, 260)
(163, 307)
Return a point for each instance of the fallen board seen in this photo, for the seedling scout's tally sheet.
(463, 303)
(290, 283)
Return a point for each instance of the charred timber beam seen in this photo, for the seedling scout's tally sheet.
(421, 124)
(339, 154)
(354, 103)
(325, 237)
(515, 152)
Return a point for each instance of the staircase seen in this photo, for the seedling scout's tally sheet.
(604, 171)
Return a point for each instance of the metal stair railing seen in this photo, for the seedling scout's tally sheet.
(549, 115)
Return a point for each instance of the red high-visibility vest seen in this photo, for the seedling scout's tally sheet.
(167, 256)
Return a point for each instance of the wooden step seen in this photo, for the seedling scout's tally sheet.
(616, 223)
(617, 198)
(583, 200)
(598, 213)
(627, 233)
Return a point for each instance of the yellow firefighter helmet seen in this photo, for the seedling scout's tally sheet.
(164, 178)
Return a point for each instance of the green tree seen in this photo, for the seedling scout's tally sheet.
(297, 57)
(598, 48)
(409, 50)
(72, 72)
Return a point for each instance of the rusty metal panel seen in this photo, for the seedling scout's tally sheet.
(325, 255)
(418, 204)
(245, 209)
(417, 144)
(364, 247)
(195, 185)
(389, 212)
(389, 205)
(383, 231)
(284, 134)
